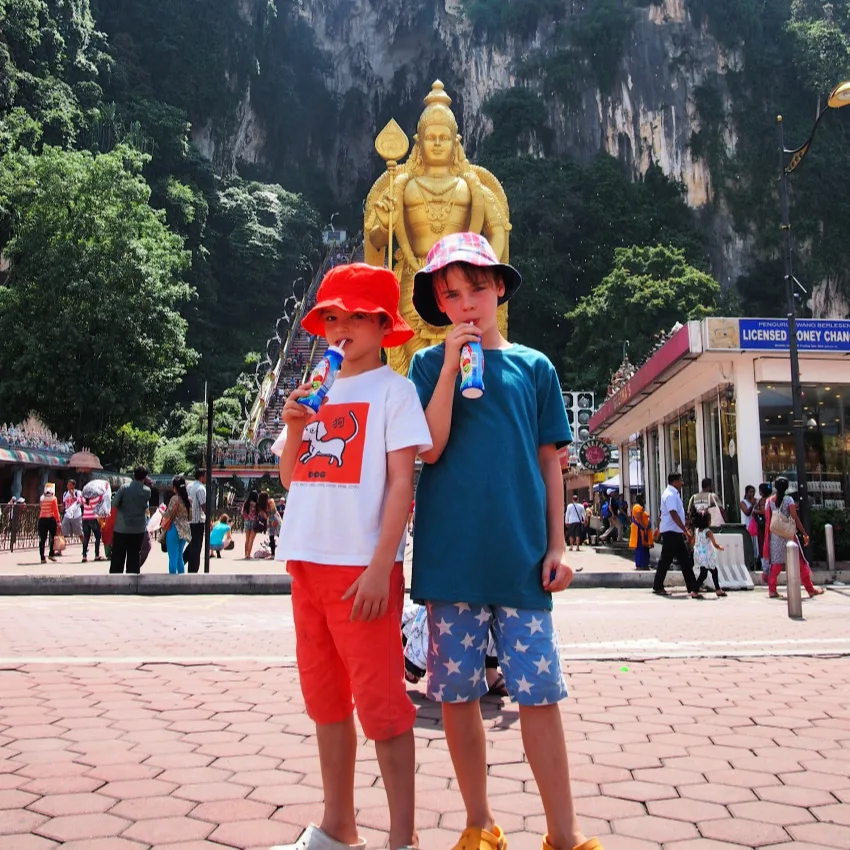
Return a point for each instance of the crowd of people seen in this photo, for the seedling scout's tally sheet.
(33, 435)
(687, 535)
(239, 453)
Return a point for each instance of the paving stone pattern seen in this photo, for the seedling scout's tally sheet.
(666, 755)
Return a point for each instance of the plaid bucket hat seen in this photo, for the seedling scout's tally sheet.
(360, 288)
(458, 248)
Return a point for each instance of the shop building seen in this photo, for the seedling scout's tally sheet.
(715, 402)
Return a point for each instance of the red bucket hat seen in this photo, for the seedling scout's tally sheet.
(360, 288)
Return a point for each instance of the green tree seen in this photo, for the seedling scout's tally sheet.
(51, 61)
(126, 447)
(92, 336)
(647, 291)
(186, 450)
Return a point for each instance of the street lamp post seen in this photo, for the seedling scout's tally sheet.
(839, 97)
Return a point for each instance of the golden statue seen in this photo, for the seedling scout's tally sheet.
(434, 194)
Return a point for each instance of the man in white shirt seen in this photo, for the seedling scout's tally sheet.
(197, 521)
(574, 520)
(674, 537)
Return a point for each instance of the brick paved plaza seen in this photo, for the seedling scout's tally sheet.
(177, 722)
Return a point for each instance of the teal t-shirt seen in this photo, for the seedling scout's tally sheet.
(481, 509)
(218, 532)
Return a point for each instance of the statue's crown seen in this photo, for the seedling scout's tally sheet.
(437, 109)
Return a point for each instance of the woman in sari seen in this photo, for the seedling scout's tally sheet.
(641, 534)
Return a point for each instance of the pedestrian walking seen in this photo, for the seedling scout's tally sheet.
(249, 517)
(640, 537)
(48, 521)
(273, 521)
(91, 526)
(574, 521)
(347, 577)
(674, 538)
(496, 571)
(782, 524)
(760, 513)
(706, 548)
(131, 503)
(176, 524)
(612, 510)
(197, 522)
(72, 517)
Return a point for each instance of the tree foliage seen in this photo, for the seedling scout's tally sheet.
(648, 290)
(89, 313)
(185, 450)
(52, 62)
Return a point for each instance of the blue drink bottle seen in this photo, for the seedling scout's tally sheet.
(323, 377)
(472, 370)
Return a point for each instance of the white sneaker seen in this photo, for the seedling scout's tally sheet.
(314, 838)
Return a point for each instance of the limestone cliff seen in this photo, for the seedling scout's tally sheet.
(386, 55)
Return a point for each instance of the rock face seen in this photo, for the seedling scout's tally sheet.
(380, 49)
(384, 56)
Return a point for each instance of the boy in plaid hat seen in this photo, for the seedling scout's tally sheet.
(349, 472)
(489, 548)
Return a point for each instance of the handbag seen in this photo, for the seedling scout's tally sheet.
(753, 528)
(781, 525)
(59, 543)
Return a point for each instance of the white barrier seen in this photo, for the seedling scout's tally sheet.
(731, 563)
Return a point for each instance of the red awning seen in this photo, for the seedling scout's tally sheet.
(656, 371)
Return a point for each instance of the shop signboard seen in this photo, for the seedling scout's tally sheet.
(725, 334)
(594, 454)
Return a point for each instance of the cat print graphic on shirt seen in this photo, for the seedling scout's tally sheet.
(333, 444)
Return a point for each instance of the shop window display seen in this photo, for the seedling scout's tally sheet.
(827, 438)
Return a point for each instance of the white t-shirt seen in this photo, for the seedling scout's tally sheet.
(335, 505)
(671, 500)
(575, 513)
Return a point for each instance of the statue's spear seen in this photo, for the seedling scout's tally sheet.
(391, 144)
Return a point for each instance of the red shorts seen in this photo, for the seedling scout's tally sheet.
(344, 663)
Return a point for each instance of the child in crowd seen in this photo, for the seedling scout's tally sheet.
(705, 556)
(349, 473)
(220, 536)
(493, 457)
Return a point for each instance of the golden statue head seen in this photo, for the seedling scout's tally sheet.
(437, 142)
(437, 110)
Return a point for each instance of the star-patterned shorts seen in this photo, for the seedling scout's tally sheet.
(526, 646)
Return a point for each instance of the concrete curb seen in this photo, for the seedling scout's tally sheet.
(267, 585)
(144, 585)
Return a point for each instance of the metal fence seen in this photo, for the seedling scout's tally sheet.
(18, 527)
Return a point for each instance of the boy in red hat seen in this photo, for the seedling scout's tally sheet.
(349, 472)
(490, 548)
